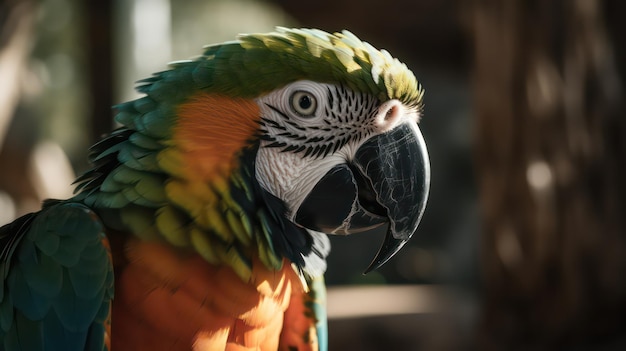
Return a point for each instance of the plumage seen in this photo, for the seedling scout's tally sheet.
(49, 291)
(204, 214)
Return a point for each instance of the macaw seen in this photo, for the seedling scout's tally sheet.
(206, 213)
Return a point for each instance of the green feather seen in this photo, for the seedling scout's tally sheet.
(126, 118)
(145, 141)
(43, 275)
(48, 244)
(105, 309)
(152, 188)
(139, 220)
(255, 64)
(112, 150)
(68, 253)
(153, 125)
(237, 227)
(107, 200)
(138, 159)
(95, 338)
(87, 278)
(74, 312)
(172, 224)
(142, 188)
(110, 185)
(144, 105)
(58, 337)
(24, 298)
(54, 294)
(24, 336)
(6, 313)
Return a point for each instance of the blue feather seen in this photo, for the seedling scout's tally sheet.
(317, 293)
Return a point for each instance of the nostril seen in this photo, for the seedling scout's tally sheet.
(391, 113)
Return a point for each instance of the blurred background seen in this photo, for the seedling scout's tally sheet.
(523, 243)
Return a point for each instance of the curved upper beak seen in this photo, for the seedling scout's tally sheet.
(387, 182)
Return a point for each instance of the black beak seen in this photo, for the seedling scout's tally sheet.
(387, 182)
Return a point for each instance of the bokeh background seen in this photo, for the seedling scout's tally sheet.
(523, 243)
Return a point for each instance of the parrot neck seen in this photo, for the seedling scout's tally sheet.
(231, 219)
(227, 218)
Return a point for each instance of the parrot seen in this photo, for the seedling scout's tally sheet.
(202, 222)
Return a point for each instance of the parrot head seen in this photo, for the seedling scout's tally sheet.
(344, 162)
(265, 144)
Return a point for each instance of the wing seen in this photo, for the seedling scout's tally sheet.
(305, 327)
(57, 281)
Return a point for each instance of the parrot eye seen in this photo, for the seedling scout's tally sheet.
(303, 103)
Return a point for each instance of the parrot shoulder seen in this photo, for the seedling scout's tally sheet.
(57, 280)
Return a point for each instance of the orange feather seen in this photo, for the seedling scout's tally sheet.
(171, 299)
(168, 300)
(299, 330)
(210, 130)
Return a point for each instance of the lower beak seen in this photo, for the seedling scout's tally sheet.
(387, 182)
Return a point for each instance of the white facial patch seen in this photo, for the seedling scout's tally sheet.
(307, 128)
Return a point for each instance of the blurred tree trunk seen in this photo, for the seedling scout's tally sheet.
(551, 150)
(100, 53)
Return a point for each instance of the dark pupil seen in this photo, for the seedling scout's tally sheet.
(305, 102)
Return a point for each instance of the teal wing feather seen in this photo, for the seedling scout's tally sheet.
(57, 281)
(317, 304)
